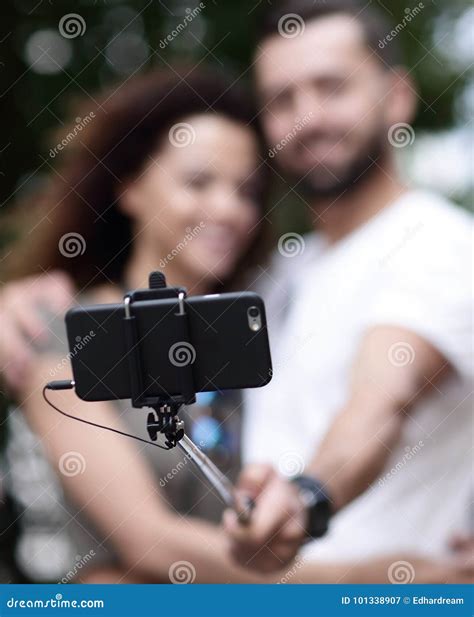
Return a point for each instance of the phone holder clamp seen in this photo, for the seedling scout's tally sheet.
(163, 419)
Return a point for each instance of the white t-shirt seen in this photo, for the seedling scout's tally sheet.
(409, 266)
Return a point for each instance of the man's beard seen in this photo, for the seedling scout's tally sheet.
(314, 185)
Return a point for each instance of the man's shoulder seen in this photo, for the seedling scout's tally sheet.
(435, 212)
(287, 263)
(428, 229)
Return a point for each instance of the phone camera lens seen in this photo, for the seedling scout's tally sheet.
(254, 312)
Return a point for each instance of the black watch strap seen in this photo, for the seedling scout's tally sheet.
(317, 501)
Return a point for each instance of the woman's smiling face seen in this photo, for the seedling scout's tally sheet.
(196, 204)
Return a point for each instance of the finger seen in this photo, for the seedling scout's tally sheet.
(272, 519)
(283, 553)
(14, 378)
(276, 506)
(261, 559)
(267, 559)
(229, 521)
(294, 530)
(253, 479)
(62, 291)
(54, 291)
(234, 529)
(16, 358)
(21, 301)
(465, 560)
(27, 320)
(461, 541)
(243, 506)
(461, 574)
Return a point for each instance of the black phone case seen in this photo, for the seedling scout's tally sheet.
(223, 352)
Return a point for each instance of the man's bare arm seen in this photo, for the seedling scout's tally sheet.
(116, 490)
(393, 368)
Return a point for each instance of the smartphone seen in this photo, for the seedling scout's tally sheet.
(226, 348)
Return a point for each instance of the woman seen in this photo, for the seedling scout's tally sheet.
(165, 175)
(166, 157)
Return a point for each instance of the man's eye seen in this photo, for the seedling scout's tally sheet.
(252, 193)
(281, 100)
(331, 87)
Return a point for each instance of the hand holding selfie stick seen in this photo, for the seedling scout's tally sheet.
(164, 417)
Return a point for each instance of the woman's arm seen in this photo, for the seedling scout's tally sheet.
(117, 492)
(116, 489)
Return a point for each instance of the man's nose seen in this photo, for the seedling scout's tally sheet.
(308, 109)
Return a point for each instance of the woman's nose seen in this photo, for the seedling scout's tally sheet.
(224, 203)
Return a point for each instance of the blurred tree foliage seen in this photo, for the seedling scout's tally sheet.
(32, 102)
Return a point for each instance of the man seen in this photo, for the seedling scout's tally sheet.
(370, 399)
(370, 358)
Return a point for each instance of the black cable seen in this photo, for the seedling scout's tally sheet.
(67, 385)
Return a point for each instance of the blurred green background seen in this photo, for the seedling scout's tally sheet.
(42, 71)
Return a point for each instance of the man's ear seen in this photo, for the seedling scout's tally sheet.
(402, 98)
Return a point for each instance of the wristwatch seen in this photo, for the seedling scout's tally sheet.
(317, 502)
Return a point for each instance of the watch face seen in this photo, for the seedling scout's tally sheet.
(317, 503)
(308, 497)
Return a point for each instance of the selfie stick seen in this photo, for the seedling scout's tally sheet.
(164, 417)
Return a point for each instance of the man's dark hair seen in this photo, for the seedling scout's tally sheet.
(374, 24)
